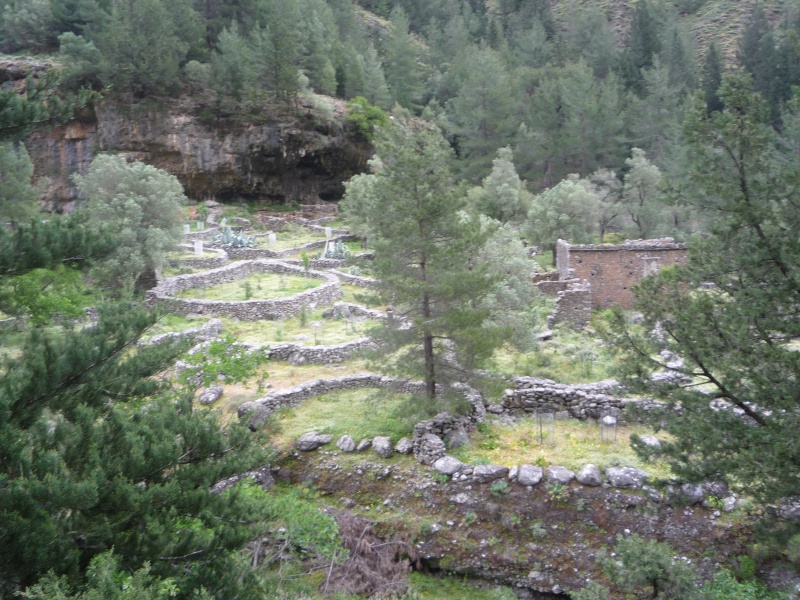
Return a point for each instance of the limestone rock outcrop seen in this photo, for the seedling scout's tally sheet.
(282, 158)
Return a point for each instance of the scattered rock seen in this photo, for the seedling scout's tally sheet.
(210, 395)
(488, 473)
(447, 465)
(560, 475)
(346, 444)
(692, 493)
(457, 437)
(652, 493)
(590, 475)
(626, 477)
(651, 440)
(404, 446)
(312, 440)
(461, 498)
(383, 446)
(529, 475)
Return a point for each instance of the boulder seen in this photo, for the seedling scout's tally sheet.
(691, 493)
(457, 437)
(259, 415)
(363, 445)
(210, 395)
(529, 475)
(346, 444)
(447, 465)
(383, 446)
(590, 475)
(404, 446)
(489, 473)
(312, 440)
(651, 440)
(626, 477)
(560, 475)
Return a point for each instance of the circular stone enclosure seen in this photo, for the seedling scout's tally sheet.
(248, 310)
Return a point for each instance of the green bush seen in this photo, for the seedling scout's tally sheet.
(365, 117)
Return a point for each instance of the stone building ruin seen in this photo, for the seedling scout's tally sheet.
(590, 276)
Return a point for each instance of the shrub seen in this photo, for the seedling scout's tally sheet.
(365, 117)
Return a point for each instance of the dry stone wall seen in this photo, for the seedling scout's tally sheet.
(214, 262)
(250, 310)
(298, 354)
(581, 401)
(573, 305)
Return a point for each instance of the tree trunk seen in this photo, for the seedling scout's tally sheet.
(427, 346)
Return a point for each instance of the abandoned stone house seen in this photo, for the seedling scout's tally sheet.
(590, 276)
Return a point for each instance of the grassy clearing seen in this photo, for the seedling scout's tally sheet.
(190, 255)
(311, 330)
(277, 376)
(575, 444)
(257, 286)
(290, 238)
(362, 413)
(568, 358)
(544, 260)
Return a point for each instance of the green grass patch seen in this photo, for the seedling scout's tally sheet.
(258, 286)
(452, 586)
(190, 255)
(574, 445)
(312, 330)
(292, 236)
(544, 260)
(362, 413)
(570, 357)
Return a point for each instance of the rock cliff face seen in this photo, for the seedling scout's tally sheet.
(283, 160)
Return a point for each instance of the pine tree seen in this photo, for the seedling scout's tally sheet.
(141, 48)
(644, 43)
(410, 201)
(482, 111)
(757, 55)
(18, 196)
(105, 466)
(277, 53)
(730, 314)
(401, 62)
(502, 195)
(712, 78)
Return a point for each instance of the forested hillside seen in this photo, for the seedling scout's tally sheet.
(568, 87)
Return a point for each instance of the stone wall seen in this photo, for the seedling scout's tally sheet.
(573, 305)
(249, 310)
(256, 253)
(580, 401)
(365, 282)
(613, 269)
(220, 260)
(298, 354)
